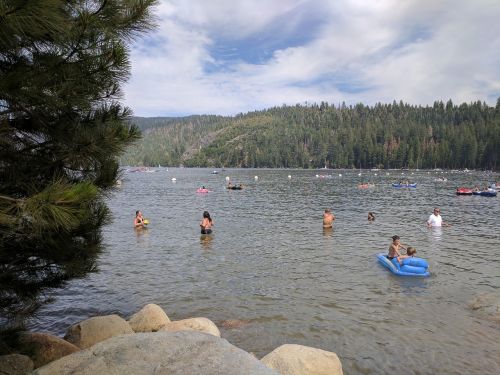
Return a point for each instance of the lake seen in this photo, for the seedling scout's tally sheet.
(270, 265)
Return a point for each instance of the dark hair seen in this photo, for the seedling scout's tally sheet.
(137, 213)
(394, 238)
(206, 215)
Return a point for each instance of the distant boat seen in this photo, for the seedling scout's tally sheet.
(400, 185)
(142, 169)
(464, 191)
(215, 172)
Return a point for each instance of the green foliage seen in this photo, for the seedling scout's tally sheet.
(62, 129)
(393, 135)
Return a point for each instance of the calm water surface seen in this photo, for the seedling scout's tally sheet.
(270, 264)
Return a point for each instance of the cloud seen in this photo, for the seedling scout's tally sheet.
(227, 57)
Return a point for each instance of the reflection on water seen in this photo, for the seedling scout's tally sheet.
(271, 264)
(327, 232)
(141, 234)
(436, 233)
(206, 241)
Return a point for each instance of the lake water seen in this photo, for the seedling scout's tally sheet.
(270, 264)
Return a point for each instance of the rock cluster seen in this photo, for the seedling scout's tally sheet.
(150, 343)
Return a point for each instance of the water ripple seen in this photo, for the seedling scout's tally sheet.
(270, 264)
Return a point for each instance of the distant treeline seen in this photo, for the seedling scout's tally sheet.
(396, 135)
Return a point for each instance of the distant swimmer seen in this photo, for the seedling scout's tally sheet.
(328, 218)
(206, 223)
(139, 221)
(371, 216)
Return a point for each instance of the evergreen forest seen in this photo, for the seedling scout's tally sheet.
(62, 130)
(397, 135)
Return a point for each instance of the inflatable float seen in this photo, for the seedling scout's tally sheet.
(404, 185)
(410, 267)
(487, 193)
(464, 191)
(201, 190)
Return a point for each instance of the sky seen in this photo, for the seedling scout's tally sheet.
(227, 57)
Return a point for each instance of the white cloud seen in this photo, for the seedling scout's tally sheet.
(361, 52)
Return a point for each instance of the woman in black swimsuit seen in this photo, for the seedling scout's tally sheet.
(206, 223)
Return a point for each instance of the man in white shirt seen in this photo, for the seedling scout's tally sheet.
(435, 220)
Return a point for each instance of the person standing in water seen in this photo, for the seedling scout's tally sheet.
(206, 223)
(328, 219)
(139, 220)
(435, 220)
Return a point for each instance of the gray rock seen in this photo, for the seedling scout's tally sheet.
(159, 353)
(15, 364)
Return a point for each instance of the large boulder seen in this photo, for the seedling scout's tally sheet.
(291, 359)
(96, 329)
(192, 324)
(15, 364)
(149, 319)
(47, 348)
(159, 353)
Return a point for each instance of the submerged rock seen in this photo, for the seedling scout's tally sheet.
(234, 323)
(488, 304)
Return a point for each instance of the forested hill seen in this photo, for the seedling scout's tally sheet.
(394, 135)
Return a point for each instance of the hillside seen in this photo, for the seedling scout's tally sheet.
(393, 135)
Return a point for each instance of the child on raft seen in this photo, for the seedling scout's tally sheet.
(394, 248)
(410, 253)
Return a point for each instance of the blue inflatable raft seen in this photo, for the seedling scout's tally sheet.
(410, 267)
(399, 186)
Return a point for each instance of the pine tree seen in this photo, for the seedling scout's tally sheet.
(61, 130)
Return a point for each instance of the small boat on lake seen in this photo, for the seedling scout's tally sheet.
(401, 185)
(486, 193)
(464, 191)
(142, 169)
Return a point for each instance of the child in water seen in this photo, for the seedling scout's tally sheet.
(371, 216)
(328, 219)
(206, 223)
(410, 253)
(139, 220)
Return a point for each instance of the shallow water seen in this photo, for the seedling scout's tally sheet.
(270, 264)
